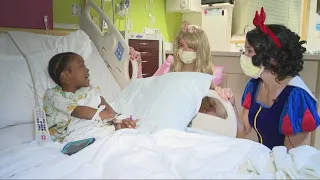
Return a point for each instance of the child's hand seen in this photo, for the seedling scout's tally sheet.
(126, 123)
(226, 94)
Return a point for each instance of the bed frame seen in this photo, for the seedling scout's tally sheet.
(108, 42)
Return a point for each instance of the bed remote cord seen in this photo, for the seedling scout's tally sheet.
(27, 61)
(42, 134)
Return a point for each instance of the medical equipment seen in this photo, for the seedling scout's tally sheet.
(122, 9)
(219, 14)
(210, 2)
(149, 8)
(42, 134)
(45, 20)
(102, 122)
(183, 6)
(111, 45)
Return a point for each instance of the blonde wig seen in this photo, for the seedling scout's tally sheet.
(196, 39)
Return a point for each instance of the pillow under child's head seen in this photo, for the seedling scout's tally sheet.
(161, 102)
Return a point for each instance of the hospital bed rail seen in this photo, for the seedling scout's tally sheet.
(227, 127)
(111, 45)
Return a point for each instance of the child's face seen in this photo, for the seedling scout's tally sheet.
(79, 73)
(184, 46)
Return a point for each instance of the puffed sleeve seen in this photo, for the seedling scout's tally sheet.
(247, 94)
(217, 75)
(165, 67)
(299, 113)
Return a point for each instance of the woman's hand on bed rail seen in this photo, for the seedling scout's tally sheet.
(226, 94)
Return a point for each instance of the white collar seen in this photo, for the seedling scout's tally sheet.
(298, 82)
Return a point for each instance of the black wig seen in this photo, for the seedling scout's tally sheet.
(287, 60)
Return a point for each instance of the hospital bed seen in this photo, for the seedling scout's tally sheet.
(206, 150)
(108, 43)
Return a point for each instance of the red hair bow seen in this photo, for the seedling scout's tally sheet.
(259, 20)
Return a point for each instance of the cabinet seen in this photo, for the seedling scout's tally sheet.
(213, 19)
(150, 51)
(183, 6)
(150, 48)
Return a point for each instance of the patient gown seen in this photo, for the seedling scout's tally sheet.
(294, 111)
(59, 105)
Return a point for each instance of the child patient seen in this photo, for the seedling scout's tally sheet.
(73, 102)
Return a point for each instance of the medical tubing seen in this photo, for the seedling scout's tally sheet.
(97, 113)
(29, 67)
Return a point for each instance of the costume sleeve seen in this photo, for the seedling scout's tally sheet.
(299, 113)
(165, 67)
(136, 56)
(60, 102)
(247, 95)
(217, 75)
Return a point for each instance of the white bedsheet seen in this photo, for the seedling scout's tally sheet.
(166, 154)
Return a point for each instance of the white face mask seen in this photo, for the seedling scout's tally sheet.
(187, 57)
(248, 68)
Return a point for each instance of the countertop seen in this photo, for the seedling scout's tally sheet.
(315, 57)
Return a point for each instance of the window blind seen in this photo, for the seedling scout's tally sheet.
(285, 12)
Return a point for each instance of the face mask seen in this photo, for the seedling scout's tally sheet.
(248, 68)
(187, 57)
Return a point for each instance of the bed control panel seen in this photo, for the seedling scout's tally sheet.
(41, 128)
(119, 51)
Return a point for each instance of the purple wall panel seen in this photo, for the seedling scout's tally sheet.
(26, 13)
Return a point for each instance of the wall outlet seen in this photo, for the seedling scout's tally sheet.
(76, 9)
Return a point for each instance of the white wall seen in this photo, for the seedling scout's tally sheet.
(313, 36)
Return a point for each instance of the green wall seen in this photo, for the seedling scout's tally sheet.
(168, 23)
(62, 11)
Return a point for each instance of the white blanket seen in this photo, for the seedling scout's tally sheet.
(168, 154)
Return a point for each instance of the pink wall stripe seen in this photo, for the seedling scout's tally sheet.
(25, 13)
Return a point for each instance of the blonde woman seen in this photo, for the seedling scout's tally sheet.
(191, 53)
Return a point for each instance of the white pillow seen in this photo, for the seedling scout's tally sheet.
(167, 101)
(16, 85)
(17, 100)
(30, 43)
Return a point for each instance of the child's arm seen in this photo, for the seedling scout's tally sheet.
(84, 112)
(72, 108)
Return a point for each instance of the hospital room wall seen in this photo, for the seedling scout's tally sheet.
(313, 34)
(168, 23)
